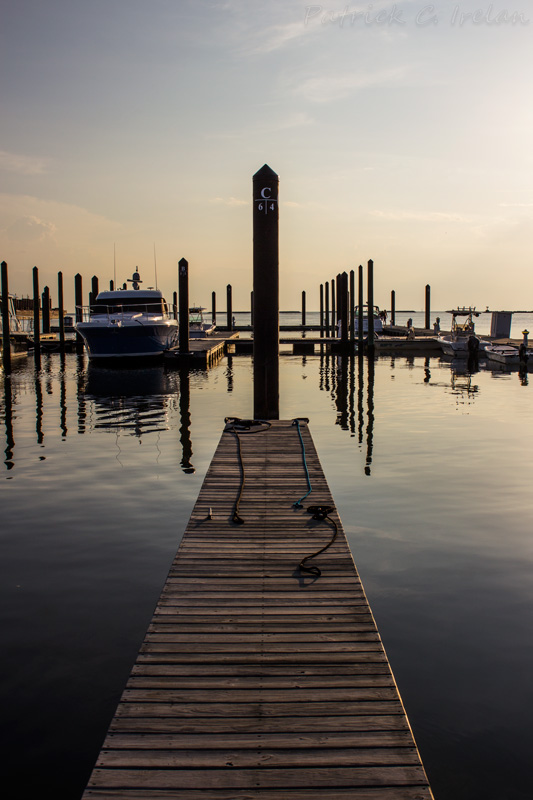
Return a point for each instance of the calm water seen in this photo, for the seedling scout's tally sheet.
(431, 470)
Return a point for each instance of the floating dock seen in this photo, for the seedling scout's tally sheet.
(203, 352)
(257, 680)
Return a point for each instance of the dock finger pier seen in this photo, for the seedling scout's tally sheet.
(262, 674)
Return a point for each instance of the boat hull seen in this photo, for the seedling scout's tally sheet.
(128, 341)
(503, 355)
(458, 348)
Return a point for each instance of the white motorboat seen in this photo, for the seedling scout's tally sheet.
(376, 315)
(127, 323)
(503, 354)
(198, 327)
(462, 342)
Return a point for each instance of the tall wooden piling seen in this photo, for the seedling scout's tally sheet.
(214, 308)
(175, 305)
(370, 291)
(6, 340)
(78, 301)
(36, 319)
(46, 309)
(266, 293)
(333, 309)
(360, 311)
(428, 305)
(252, 309)
(343, 311)
(61, 306)
(352, 304)
(229, 308)
(94, 286)
(303, 308)
(183, 293)
(393, 307)
(326, 321)
(321, 309)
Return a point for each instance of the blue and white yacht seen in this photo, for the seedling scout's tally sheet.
(128, 323)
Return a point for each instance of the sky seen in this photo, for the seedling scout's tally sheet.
(401, 132)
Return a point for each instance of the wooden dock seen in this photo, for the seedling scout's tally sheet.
(257, 681)
(204, 352)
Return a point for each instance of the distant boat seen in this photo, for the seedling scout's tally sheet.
(128, 323)
(462, 341)
(378, 321)
(503, 354)
(198, 328)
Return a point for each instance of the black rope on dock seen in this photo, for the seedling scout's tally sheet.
(237, 426)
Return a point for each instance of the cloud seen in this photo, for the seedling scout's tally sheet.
(327, 88)
(420, 216)
(30, 229)
(23, 165)
(229, 201)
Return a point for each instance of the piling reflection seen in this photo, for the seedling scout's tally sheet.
(370, 407)
(9, 451)
(229, 372)
(63, 397)
(39, 407)
(342, 376)
(185, 422)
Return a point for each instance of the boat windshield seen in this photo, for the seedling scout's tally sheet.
(129, 305)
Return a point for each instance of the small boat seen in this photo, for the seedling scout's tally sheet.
(462, 342)
(127, 323)
(377, 317)
(198, 328)
(503, 354)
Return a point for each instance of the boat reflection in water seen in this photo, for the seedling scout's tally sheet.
(131, 400)
(140, 401)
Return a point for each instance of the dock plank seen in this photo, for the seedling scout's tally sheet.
(256, 681)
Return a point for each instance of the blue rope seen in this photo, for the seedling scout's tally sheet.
(298, 503)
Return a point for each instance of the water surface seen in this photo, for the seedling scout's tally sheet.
(430, 467)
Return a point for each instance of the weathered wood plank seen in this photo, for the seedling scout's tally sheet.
(256, 681)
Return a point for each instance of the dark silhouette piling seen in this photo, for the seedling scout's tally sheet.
(46, 309)
(183, 293)
(214, 308)
(428, 305)
(36, 319)
(370, 290)
(393, 307)
(229, 308)
(351, 298)
(61, 306)
(326, 321)
(360, 311)
(342, 308)
(266, 293)
(333, 309)
(6, 341)
(78, 301)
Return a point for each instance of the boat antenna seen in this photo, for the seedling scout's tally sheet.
(114, 266)
(155, 268)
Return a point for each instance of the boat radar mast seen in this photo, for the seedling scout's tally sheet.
(135, 279)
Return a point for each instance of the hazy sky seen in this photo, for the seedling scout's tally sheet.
(402, 132)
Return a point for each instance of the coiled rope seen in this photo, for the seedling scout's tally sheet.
(236, 426)
(320, 513)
